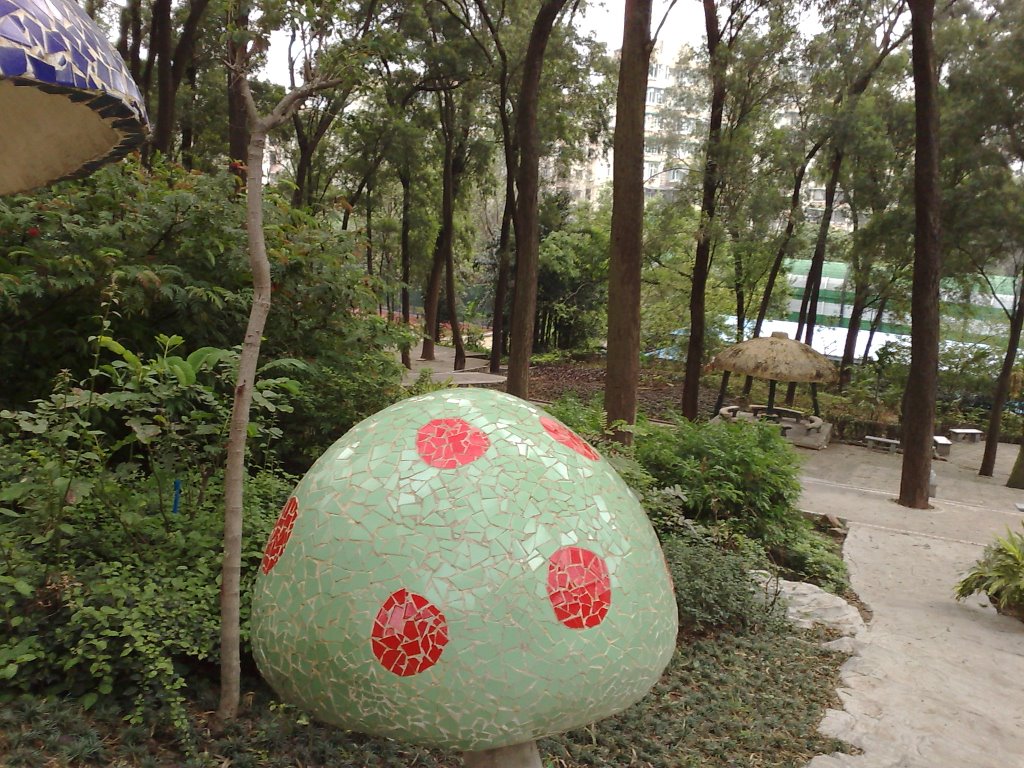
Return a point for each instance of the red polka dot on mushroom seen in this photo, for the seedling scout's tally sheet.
(579, 587)
(280, 535)
(450, 443)
(408, 634)
(568, 438)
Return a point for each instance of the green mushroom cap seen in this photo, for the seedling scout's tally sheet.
(461, 570)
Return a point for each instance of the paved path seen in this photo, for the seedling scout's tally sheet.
(934, 683)
(442, 369)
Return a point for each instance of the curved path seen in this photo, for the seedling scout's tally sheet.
(933, 683)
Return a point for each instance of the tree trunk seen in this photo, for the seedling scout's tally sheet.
(622, 371)
(453, 312)
(919, 410)
(860, 297)
(809, 306)
(527, 221)
(498, 326)
(1016, 479)
(876, 321)
(238, 116)
(432, 298)
(1002, 389)
(369, 230)
(702, 263)
(161, 39)
(739, 293)
(188, 122)
(780, 253)
(234, 471)
(406, 178)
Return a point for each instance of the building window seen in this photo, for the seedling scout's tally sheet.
(655, 95)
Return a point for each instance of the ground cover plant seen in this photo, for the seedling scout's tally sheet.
(726, 699)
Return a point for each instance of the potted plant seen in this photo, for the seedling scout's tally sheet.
(1000, 575)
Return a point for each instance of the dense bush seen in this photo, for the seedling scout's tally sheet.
(111, 535)
(743, 473)
(738, 479)
(138, 255)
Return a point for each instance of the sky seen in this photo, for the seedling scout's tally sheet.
(685, 26)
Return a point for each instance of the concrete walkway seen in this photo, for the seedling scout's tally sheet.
(442, 369)
(933, 683)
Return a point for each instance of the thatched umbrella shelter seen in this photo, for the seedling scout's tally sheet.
(67, 102)
(776, 358)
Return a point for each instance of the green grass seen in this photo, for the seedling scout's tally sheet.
(725, 700)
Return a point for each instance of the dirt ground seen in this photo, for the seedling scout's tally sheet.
(659, 395)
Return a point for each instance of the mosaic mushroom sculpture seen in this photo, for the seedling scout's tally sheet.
(67, 103)
(463, 571)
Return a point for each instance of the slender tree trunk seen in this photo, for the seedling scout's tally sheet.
(852, 332)
(406, 178)
(453, 312)
(188, 121)
(238, 117)
(622, 371)
(432, 298)
(303, 165)
(919, 404)
(369, 230)
(527, 221)
(787, 236)
(1002, 389)
(234, 471)
(876, 322)
(809, 306)
(739, 293)
(702, 264)
(498, 326)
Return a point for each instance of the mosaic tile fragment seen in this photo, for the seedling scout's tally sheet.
(497, 589)
(280, 534)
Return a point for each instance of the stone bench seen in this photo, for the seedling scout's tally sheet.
(882, 442)
(941, 445)
(966, 435)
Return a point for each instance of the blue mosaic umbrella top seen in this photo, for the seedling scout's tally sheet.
(54, 46)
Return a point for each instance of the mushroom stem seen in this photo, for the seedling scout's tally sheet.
(516, 756)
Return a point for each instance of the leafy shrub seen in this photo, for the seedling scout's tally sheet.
(999, 574)
(713, 588)
(739, 479)
(110, 539)
(743, 473)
